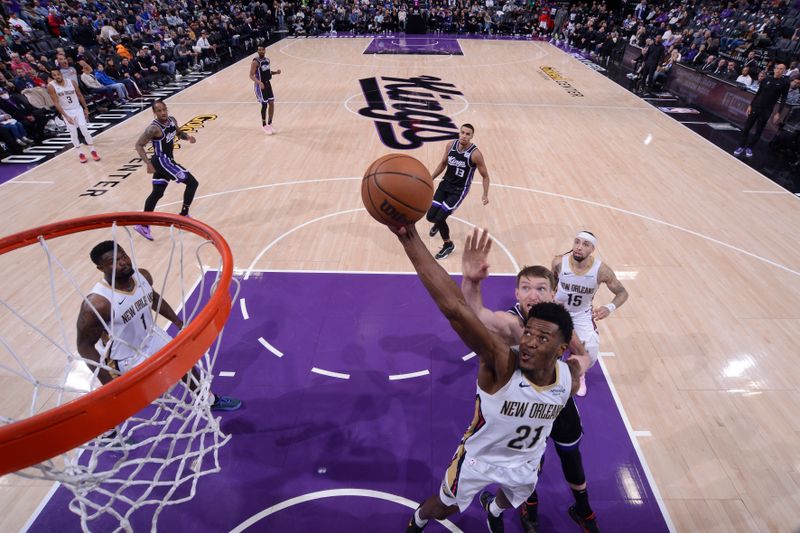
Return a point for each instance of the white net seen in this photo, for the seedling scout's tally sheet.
(155, 457)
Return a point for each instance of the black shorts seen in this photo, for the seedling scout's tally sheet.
(567, 429)
(167, 170)
(265, 95)
(448, 197)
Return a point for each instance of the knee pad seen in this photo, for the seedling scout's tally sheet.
(572, 464)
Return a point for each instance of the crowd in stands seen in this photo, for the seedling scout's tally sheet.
(116, 50)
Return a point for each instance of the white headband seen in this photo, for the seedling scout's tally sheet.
(586, 236)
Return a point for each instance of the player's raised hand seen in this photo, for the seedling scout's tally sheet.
(475, 259)
(192, 140)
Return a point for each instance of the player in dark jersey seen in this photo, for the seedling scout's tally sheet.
(161, 133)
(535, 284)
(261, 73)
(459, 162)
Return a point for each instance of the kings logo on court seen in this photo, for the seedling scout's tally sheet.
(409, 112)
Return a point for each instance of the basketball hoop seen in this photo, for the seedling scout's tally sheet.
(97, 441)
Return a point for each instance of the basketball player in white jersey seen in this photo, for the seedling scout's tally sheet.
(520, 392)
(579, 275)
(458, 163)
(261, 74)
(72, 107)
(535, 284)
(127, 321)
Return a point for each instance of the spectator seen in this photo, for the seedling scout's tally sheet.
(163, 58)
(185, 57)
(32, 119)
(745, 78)
(146, 68)
(14, 130)
(95, 87)
(124, 90)
(652, 58)
(207, 51)
(18, 24)
(733, 71)
(793, 97)
(710, 64)
(752, 61)
(663, 70)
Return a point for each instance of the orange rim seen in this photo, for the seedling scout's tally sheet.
(51, 433)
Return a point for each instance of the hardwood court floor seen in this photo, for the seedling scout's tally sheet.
(705, 349)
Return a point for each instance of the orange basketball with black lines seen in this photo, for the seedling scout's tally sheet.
(397, 190)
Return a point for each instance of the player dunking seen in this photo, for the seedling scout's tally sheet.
(124, 301)
(535, 284)
(579, 275)
(502, 445)
(162, 132)
(261, 73)
(72, 107)
(459, 162)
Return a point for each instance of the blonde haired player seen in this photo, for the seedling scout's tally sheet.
(579, 275)
(72, 107)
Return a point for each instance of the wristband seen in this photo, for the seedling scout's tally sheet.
(610, 307)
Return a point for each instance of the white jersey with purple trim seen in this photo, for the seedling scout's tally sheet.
(576, 291)
(511, 426)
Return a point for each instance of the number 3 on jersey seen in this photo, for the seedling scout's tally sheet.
(574, 299)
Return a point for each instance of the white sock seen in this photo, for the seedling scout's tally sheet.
(419, 521)
(494, 508)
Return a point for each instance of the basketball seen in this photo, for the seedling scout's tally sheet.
(397, 190)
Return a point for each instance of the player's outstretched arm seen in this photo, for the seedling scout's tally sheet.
(606, 275)
(475, 268)
(90, 329)
(497, 363)
(160, 305)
